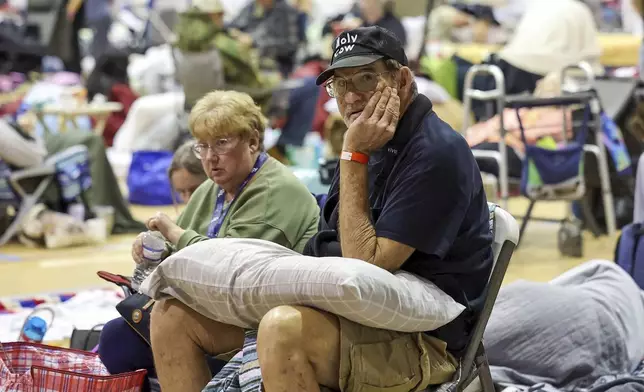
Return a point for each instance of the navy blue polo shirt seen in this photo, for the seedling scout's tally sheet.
(426, 191)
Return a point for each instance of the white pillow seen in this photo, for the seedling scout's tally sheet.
(237, 281)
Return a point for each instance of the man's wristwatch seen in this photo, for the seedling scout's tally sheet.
(355, 157)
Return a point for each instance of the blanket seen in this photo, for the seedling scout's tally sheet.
(581, 332)
(538, 123)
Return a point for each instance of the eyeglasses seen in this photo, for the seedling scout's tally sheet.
(362, 81)
(219, 147)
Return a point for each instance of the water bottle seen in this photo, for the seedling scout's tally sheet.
(35, 327)
(153, 248)
(34, 330)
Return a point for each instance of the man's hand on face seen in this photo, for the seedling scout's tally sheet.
(376, 124)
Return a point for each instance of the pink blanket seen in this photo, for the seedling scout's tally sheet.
(537, 123)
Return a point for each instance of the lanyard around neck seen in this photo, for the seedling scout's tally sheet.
(219, 214)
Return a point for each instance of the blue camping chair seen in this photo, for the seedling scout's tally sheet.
(70, 170)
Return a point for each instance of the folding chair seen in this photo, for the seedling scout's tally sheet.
(43, 176)
(474, 363)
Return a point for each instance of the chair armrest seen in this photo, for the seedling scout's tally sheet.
(37, 171)
(53, 159)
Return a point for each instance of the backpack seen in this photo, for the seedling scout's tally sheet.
(629, 252)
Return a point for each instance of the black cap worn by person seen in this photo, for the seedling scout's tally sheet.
(363, 46)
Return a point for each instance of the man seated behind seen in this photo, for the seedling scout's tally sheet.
(272, 27)
(430, 217)
(201, 28)
(427, 215)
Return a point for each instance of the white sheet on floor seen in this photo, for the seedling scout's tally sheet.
(84, 311)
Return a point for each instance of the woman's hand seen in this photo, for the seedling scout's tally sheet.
(162, 223)
(137, 249)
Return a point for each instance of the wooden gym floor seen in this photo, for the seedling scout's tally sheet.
(25, 271)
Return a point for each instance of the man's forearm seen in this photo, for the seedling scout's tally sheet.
(357, 234)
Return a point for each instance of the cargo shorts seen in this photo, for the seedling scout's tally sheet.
(374, 359)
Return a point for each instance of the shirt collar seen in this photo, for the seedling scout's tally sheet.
(409, 122)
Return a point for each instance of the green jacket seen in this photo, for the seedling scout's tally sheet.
(197, 33)
(275, 206)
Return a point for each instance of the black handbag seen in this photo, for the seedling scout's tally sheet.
(85, 339)
(136, 310)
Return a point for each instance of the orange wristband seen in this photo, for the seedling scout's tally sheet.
(355, 157)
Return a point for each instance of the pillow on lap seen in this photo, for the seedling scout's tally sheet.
(237, 281)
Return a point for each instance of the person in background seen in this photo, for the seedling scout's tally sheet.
(304, 7)
(98, 17)
(272, 27)
(201, 28)
(245, 196)
(186, 171)
(381, 13)
(363, 13)
(368, 13)
(551, 35)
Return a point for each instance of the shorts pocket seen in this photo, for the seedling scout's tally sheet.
(390, 366)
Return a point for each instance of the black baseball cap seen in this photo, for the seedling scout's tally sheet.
(363, 46)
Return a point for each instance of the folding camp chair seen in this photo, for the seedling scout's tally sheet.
(43, 176)
(474, 363)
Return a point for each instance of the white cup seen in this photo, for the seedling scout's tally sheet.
(153, 246)
(106, 213)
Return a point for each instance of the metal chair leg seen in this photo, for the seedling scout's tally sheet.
(483, 366)
(28, 202)
(526, 218)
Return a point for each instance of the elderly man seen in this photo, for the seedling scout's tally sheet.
(408, 195)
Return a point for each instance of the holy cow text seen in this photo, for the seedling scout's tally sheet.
(345, 44)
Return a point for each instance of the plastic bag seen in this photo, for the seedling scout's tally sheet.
(148, 181)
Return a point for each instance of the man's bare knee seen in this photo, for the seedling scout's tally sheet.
(282, 324)
(314, 333)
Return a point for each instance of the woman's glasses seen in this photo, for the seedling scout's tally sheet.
(363, 82)
(219, 147)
